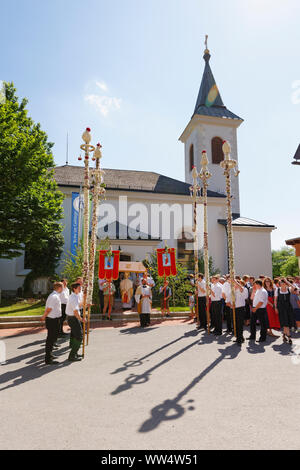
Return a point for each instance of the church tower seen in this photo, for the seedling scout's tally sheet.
(210, 125)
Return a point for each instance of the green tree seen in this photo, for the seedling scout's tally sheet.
(30, 204)
(285, 263)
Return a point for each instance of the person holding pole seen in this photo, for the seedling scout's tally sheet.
(259, 312)
(216, 305)
(74, 322)
(52, 317)
(64, 297)
(201, 286)
(241, 295)
(108, 291)
(166, 292)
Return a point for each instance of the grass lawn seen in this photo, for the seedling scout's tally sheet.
(11, 308)
(180, 308)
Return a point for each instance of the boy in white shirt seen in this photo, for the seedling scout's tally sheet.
(64, 297)
(216, 305)
(52, 317)
(201, 287)
(241, 294)
(259, 311)
(74, 322)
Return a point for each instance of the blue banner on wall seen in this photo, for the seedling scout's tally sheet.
(75, 222)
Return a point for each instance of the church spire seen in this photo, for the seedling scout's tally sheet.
(209, 101)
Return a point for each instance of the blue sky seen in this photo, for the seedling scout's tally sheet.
(131, 70)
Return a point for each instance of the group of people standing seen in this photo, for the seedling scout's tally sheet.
(62, 305)
(273, 304)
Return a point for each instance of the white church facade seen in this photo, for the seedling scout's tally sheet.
(129, 190)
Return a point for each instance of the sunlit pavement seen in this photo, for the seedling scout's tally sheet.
(165, 387)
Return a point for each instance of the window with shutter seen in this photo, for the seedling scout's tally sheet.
(216, 150)
(191, 157)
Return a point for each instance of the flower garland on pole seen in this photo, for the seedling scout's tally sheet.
(97, 189)
(195, 192)
(87, 148)
(204, 175)
(228, 164)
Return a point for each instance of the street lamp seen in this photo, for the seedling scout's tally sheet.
(195, 193)
(205, 175)
(229, 164)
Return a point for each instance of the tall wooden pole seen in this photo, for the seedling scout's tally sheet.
(228, 164)
(204, 175)
(96, 191)
(194, 190)
(87, 148)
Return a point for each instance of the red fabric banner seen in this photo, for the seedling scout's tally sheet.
(166, 262)
(109, 265)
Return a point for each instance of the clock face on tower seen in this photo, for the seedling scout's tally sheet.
(212, 96)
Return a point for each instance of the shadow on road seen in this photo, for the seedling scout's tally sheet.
(136, 330)
(139, 361)
(134, 379)
(171, 409)
(35, 367)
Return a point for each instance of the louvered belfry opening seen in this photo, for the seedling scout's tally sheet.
(216, 150)
(191, 157)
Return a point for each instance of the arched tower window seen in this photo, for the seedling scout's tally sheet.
(191, 159)
(216, 150)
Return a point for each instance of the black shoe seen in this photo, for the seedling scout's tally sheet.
(51, 362)
(229, 331)
(74, 359)
(79, 355)
(251, 338)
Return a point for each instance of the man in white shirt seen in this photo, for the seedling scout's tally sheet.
(226, 288)
(79, 280)
(241, 295)
(259, 312)
(52, 317)
(64, 297)
(216, 305)
(201, 287)
(74, 322)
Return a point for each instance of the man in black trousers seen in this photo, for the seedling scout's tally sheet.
(259, 312)
(201, 287)
(52, 317)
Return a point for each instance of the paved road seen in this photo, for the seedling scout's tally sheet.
(164, 387)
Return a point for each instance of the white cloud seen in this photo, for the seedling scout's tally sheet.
(105, 104)
(102, 85)
(100, 99)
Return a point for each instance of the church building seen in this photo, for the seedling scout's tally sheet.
(129, 190)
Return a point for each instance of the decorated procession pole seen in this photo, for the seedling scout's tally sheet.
(194, 191)
(97, 190)
(87, 148)
(228, 164)
(204, 175)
